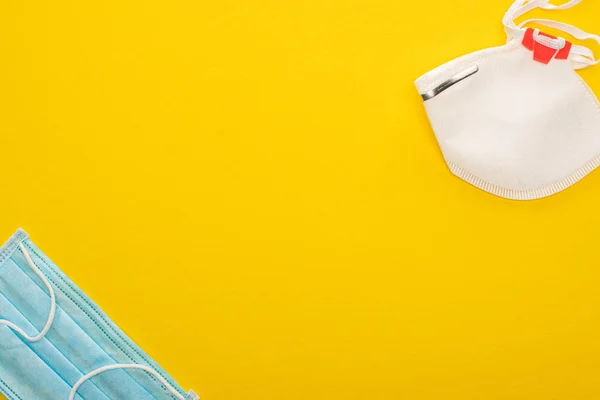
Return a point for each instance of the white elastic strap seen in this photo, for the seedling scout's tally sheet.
(569, 4)
(581, 56)
(586, 55)
(128, 366)
(521, 7)
(44, 331)
(517, 9)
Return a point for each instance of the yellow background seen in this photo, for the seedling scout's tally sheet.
(251, 189)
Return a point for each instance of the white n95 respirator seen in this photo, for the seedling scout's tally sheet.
(517, 121)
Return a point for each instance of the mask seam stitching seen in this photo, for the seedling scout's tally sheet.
(11, 246)
(5, 385)
(531, 194)
(49, 341)
(588, 90)
(97, 325)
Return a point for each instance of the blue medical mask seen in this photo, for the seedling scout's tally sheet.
(56, 344)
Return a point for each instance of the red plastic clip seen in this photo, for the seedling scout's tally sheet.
(542, 53)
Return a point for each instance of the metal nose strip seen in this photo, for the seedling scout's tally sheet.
(449, 83)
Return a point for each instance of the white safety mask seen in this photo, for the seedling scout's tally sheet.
(517, 121)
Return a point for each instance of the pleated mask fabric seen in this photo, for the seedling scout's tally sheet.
(57, 344)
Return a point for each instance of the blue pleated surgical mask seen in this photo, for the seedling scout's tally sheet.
(56, 344)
